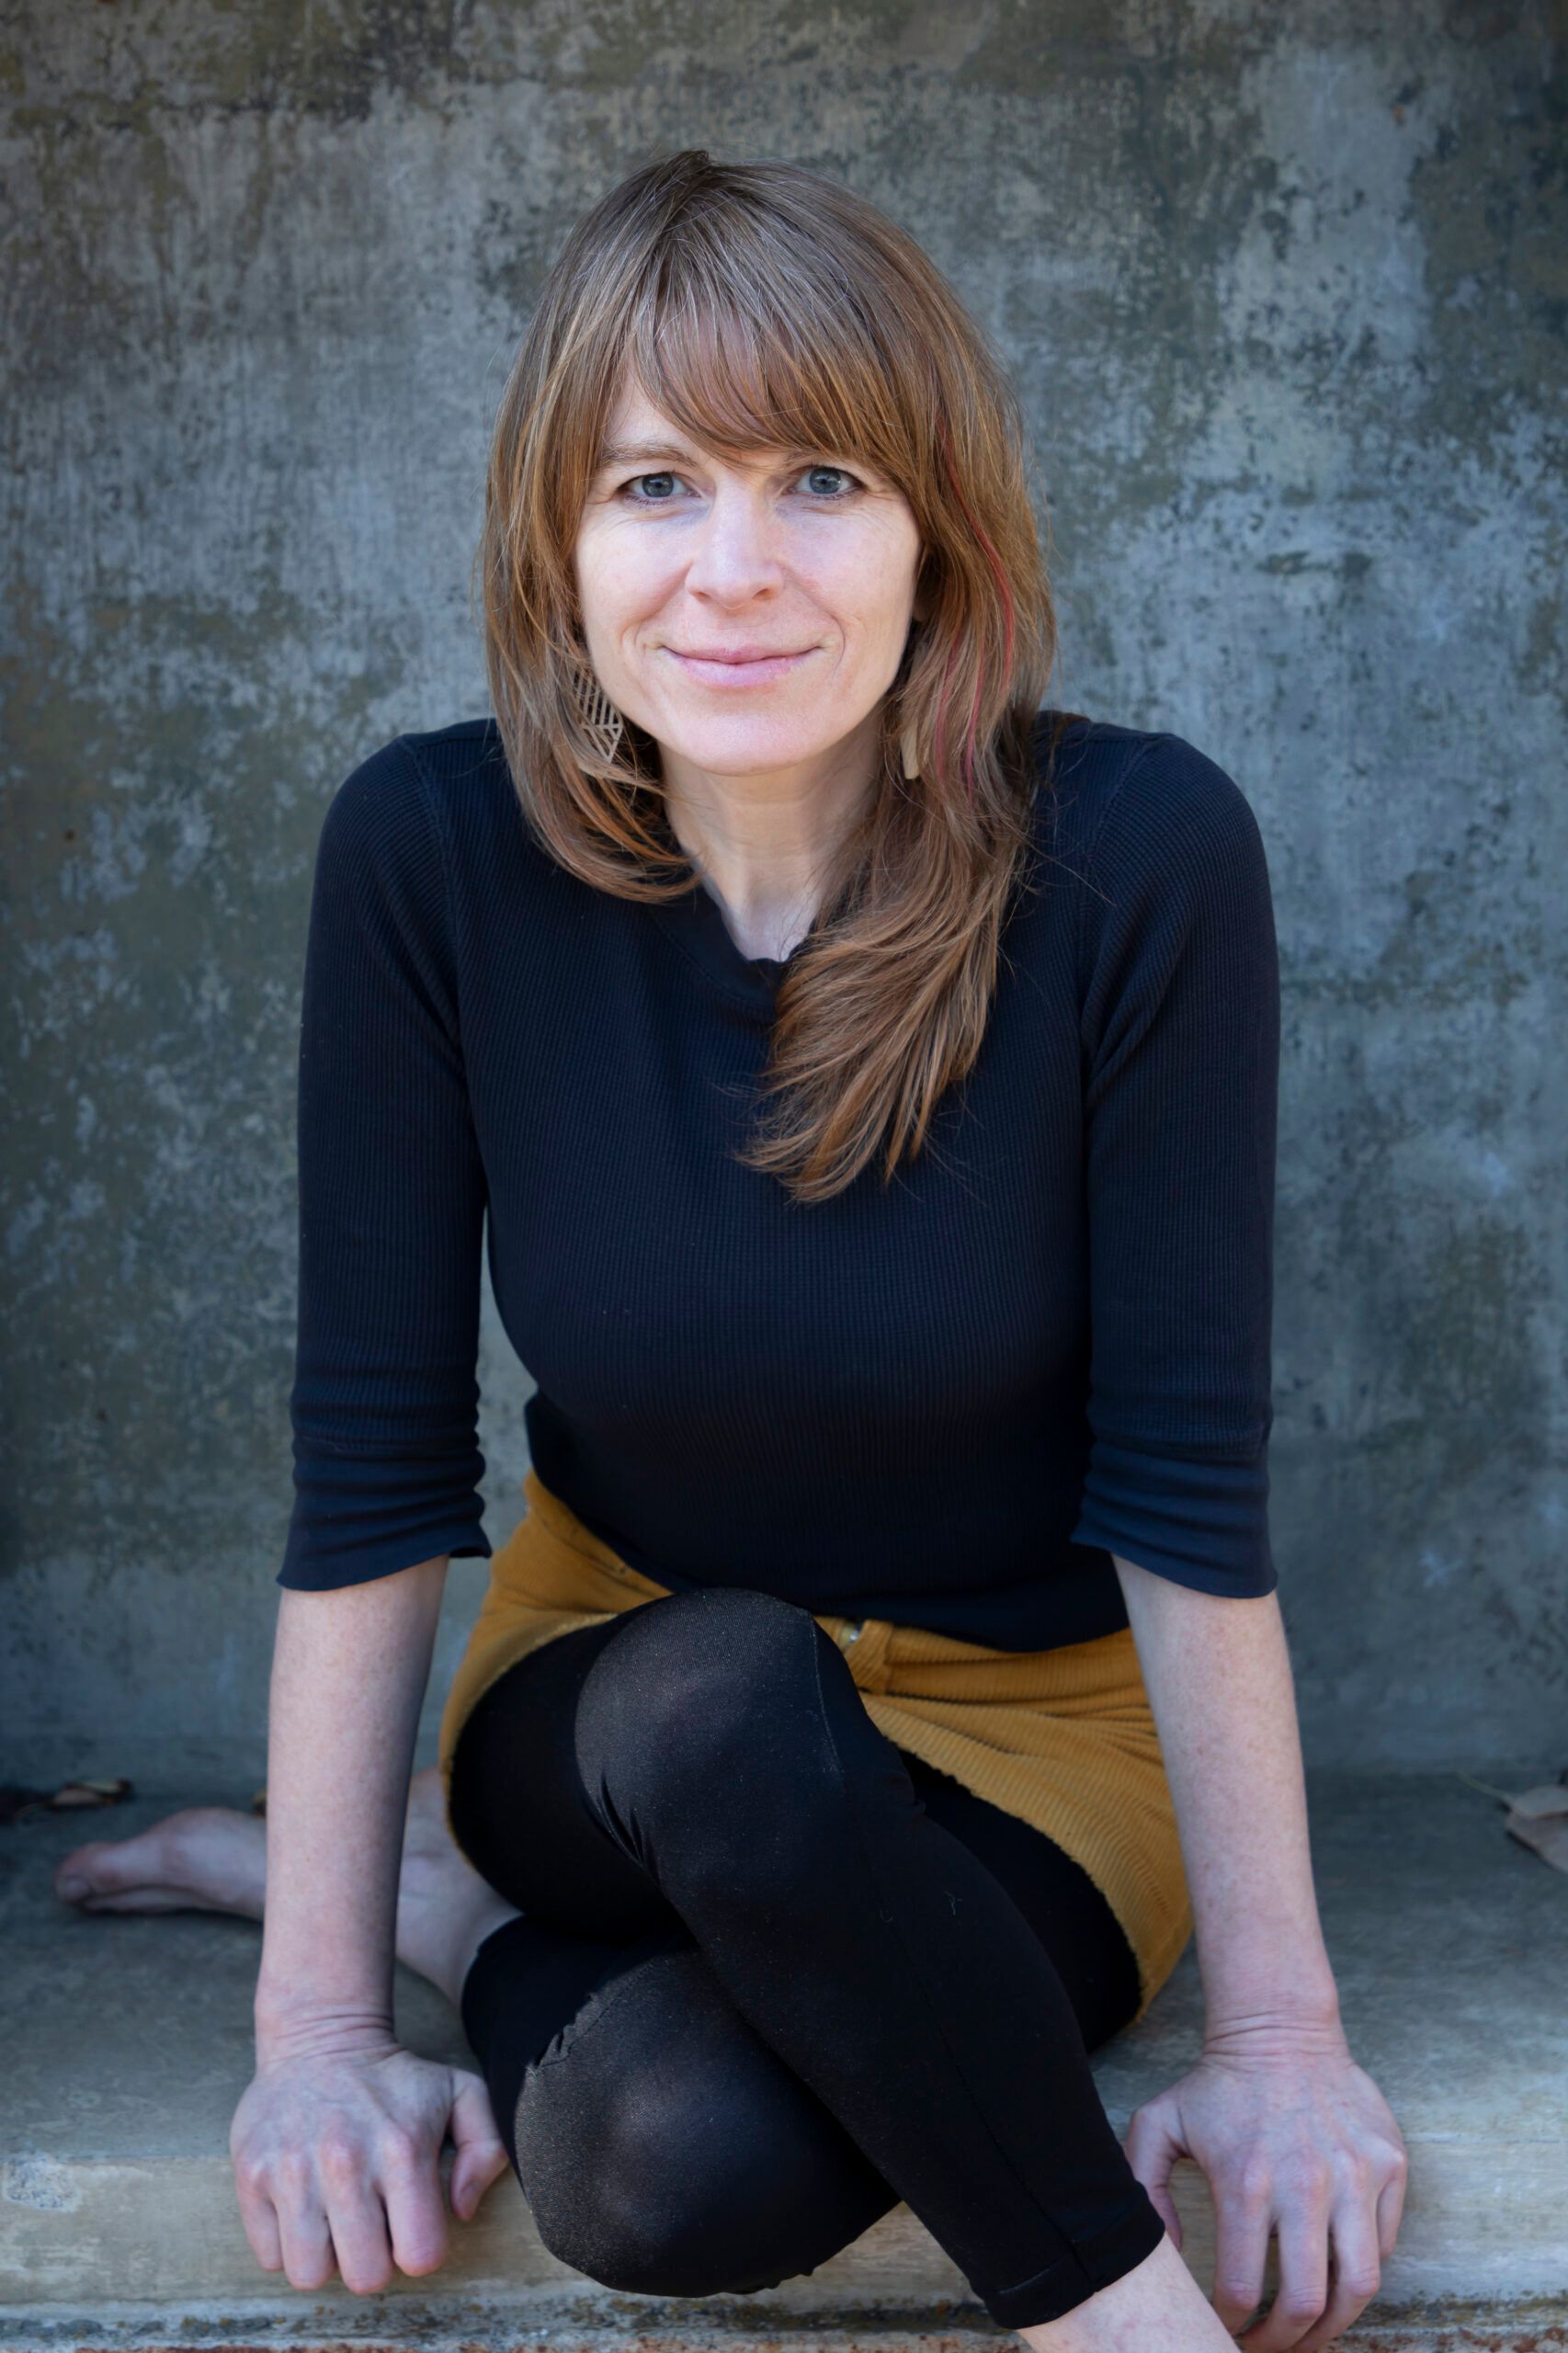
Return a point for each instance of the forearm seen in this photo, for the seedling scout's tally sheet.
(350, 1670)
(1217, 1674)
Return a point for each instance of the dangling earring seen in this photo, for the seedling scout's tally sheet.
(602, 722)
(908, 751)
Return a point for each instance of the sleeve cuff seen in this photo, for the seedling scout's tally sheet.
(324, 1566)
(1203, 1524)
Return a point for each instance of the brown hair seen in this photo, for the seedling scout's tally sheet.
(760, 305)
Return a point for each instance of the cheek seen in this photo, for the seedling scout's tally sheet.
(881, 623)
(631, 587)
(606, 558)
(602, 593)
(876, 588)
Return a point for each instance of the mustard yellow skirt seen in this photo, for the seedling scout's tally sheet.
(1065, 1739)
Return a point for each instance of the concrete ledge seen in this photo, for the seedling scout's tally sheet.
(126, 2044)
(467, 2326)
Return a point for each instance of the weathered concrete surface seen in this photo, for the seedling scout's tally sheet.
(1284, 290)
(496, 2329)
(127, 2047)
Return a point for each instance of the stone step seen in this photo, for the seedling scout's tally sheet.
(126, 2044)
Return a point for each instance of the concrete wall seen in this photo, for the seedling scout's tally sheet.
(1285, 290)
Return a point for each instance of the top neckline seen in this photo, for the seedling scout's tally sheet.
(696, 922)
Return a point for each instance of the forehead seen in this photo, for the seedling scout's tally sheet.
(637, 428)
(634, 418)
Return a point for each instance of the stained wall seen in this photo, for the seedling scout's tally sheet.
(1284, 291)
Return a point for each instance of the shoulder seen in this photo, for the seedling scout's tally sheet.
(467, 755)
(424, 794)
(424, 771)
(1144, 829)
(1124, 792)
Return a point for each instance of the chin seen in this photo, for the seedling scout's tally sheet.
(747, 750)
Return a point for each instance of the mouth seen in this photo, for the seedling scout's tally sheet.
(748, 666)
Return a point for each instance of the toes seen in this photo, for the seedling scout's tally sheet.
(77, 1876)
(106, 1867)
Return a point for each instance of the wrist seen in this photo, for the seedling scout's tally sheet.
(1276, 1977)
(296, 2025)
(1274, 2021)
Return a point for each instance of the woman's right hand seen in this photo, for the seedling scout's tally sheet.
(336, 2161)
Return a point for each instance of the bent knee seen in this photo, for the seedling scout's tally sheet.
(665, 2151)
(645, 2229)
(678, 1699)
(608, 2247)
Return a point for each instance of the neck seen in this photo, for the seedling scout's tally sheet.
(763, 843)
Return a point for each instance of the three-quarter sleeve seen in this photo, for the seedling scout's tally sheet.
(391, 1199)
(1180, 1045)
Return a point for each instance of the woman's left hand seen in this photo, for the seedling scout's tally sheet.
(1294, 2137)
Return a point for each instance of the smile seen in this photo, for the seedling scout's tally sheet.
(752, 670)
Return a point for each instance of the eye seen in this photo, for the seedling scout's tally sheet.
(832, 498)
(831, 485)
(659, 499)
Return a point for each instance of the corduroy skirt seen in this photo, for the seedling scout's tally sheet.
(1064, 1739)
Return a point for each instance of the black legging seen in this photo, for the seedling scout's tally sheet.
(776, 1974)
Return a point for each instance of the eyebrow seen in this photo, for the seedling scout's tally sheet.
(626, 453)
(644, 453)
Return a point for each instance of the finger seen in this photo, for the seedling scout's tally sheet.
(260, 2225)
(357, 2222)
(1152, 2148)
(1391, 2207)
(1303, 2279)
(480, 2152)
(416, 2215)
(308, 2257)
(1241, 2251)
(1357, 2274)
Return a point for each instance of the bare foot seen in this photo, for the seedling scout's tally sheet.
(1158, 2302)
(213, 1858)
(445, 1909)
(204, 1858)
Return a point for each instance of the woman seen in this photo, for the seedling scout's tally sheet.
(871, 1080)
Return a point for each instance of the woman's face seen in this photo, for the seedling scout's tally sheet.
(751, 614)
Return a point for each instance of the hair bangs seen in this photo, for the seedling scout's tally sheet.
(743, 365)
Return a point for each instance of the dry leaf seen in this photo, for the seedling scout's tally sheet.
(1546, 1833)
(15, 1802)
(1549, 1797)
(1537, 1818)
(75, 1793)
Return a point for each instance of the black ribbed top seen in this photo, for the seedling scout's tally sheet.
(945, 1403)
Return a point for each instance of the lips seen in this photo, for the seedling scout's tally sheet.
(738, 652)
(731, 667)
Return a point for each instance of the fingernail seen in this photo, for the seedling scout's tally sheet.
(70, 1888)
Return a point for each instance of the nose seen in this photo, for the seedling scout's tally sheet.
(736, 557)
